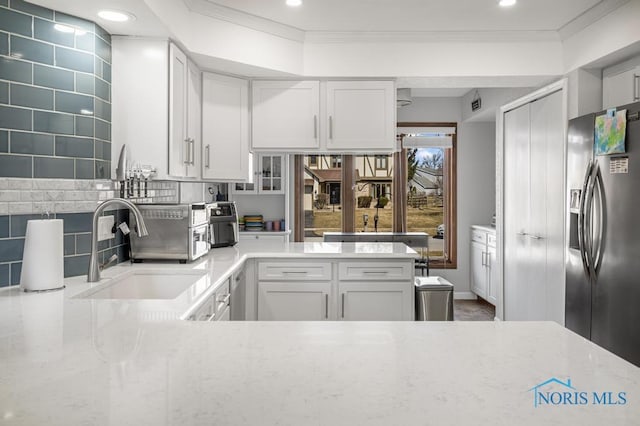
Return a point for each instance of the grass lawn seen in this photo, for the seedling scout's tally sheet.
(425, 219)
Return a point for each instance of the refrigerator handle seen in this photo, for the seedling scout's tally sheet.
(581, 220)
(588, 218)
(601, 211)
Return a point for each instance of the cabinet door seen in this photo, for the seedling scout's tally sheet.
(225, 128)
(271, 173)
(492, 276)
(285, 114)
(380, 301)
(179, 146)
(621, 88)
(361, 115)
(478, 269)
(194, 120)
(294, 301)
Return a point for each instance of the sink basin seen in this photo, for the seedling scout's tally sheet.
(160, 284)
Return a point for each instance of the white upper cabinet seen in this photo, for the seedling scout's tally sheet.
(620, 86)
(225, 128)
(156, 107)
(285, 115)
(361, 115)
(338, 116)
(184, 115)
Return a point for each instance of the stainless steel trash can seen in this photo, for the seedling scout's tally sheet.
(434, 299)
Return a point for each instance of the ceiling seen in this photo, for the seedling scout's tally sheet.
(416, 15)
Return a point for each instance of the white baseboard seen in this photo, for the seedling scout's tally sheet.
(464, 295)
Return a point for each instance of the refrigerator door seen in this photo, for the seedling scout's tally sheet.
(578, 284)
(616, 291)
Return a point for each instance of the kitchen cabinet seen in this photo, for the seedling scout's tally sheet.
(156, 107)
(264, 236)
(225, 128)
(337, 116)
(184, 115)
(483, 260)
(361, 115)
(215, 307)
(269, 176)
(294, 301)
(533, 255)
(621, 84)
(285, 115)
(370, 290)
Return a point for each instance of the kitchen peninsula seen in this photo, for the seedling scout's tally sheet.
(67, 360)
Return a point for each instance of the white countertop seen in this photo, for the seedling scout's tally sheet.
(67, 361)
(487, 228)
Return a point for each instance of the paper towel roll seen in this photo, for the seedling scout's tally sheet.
(42, 263)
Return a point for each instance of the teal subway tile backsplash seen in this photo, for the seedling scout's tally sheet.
(53, 85)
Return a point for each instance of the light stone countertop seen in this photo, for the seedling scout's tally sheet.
(66, 361)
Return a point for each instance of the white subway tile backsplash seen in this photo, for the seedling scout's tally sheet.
(43, 207)
(31, 195)
(74, 195)
(4, 209)
(53, 195)
(19, 183)
(59, 184)
(20, 208)
(10, 196)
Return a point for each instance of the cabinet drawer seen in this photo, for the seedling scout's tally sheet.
(479, 236)
(294, 271)
(222, 296)
(491, 240)
(375, 271)
(263, 237)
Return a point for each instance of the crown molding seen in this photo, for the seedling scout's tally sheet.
(590, 16)
(430, 36)
(237, 17)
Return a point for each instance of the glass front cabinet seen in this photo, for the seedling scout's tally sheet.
(269, 176)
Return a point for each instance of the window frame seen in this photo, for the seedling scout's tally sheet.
(384, 162)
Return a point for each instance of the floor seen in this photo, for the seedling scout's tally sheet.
(473, 310)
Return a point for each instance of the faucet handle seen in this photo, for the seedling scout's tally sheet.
(112, 259)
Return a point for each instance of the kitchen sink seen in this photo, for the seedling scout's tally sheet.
(145, 284)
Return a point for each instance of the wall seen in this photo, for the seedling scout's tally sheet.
(476, 175)
(55, 131)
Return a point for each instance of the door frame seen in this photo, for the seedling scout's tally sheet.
(560, 85)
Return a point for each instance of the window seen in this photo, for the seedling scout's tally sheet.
(313, 160)
(322, 197)
(382, 162)
(336, 161)
(431, 192)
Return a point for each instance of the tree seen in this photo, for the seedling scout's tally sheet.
(434, 161)
(412, 163)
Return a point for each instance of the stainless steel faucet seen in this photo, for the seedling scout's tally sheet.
(94, 271)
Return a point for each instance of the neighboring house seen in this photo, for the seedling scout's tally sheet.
(426, 181)
(323, 175)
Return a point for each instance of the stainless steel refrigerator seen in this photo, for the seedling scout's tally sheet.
(603, 237)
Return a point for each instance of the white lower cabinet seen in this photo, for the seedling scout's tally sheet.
(294, 301)
(266, 236)
(375, 301)
(338, 290)
(484, 281)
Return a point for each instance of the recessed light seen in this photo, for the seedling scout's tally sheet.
(506, 3)
(116, 16)
(294, 3)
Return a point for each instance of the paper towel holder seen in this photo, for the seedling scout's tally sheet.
(43, 259)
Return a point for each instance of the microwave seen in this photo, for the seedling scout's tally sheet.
(176, 232)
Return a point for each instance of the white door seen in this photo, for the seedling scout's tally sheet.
(285, 114)
(379, 301)
(517, 273)
(361, 115)
(294, 301)
(194, 120)
(178, 144)
(225, 128)
(478, 270)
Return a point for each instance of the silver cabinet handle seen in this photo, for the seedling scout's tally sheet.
(295, 272)
(342, 305)
(535, 237)
(376, 272)
(224, 299)
(488, 257)
(522, 233)
(193, 151)
(315, 127)
(326, 306)
(483, 261)
(330, 127)
(187, 156)
(207, 154)
(636, 87)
